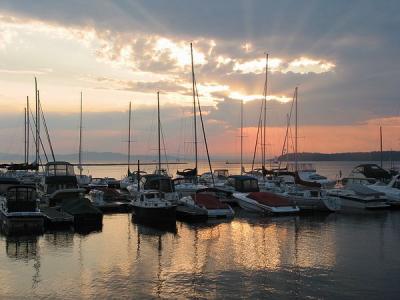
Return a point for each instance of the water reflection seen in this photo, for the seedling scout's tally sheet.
(295, 256)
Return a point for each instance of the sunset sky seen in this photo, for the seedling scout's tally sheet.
(343, 56)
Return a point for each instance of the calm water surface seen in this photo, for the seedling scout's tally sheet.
(307, 256)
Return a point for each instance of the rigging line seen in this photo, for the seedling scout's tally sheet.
(258, 132)
(286, 140)
(40, 140)
(34, 140)
(204, 132)
(164, 146)
(46, 129)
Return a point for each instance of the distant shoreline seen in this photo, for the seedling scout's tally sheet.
(305, 156)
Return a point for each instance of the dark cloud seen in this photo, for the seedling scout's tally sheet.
(360, 37)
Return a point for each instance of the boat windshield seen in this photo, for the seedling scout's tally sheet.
(21, 194)
(250, 185)
(60, 170)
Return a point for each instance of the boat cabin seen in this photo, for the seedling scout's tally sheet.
(157, 182)
(20, 199)
(59, 175)
(371, 171)
(243, 184)
(6, 182)
(221, 173)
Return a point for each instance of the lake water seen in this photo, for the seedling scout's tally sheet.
(307, 256)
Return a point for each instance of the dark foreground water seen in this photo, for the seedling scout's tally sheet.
(317, 256)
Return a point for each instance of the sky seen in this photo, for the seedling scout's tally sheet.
(342, 55)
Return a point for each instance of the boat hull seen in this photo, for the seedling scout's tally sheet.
(22, 224)
(254, 206)
(155, 215)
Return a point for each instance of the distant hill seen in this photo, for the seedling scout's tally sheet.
(349, 156)
(120, 157)
(88, 157)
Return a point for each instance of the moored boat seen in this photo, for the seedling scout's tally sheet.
(19, 211)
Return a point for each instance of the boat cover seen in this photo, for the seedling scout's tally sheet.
(269, 199)
(208, 201)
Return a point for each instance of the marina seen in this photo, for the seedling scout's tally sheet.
(199, 149)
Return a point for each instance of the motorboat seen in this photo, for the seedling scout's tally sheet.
(98, 183)
(248, 196)
(204, 204)
(110, 200)
(186, 186)
(59, 190)
(305, 174)
(217, 178)
(312, 199)
(19, 211)
(83, 180)
(266, 203)
(359, 197)
(156, 200)
(391, 189)
(371, 171)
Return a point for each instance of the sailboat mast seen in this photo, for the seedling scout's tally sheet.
(159, 132)
(194, 108)
(27, 129)
(129, 138)
(36, 127)
(295, 131)
(241, 137)
(80, 140)
(25, 135)
(380, 135)
(265, 112)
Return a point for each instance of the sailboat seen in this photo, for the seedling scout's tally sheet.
(154, 200)
(187, 182)
(197, 201)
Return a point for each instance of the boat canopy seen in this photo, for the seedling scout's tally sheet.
(243, 183)
(21, 198)
(59, 168)
(157, 182)
(372, 171)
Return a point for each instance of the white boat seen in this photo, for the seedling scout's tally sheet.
(204, 203)
(314, 200)
(19, 211)
(155, 201)
(266, 202)
(83, 180)
(359, 197)
(187, 186)
(109, 200)
(98, 183)
(248, 196)
(391, 190)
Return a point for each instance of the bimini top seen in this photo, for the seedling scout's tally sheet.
(59, 168)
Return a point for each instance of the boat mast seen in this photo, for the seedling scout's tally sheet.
(295, 132)
(80, 140)
(25, 135)
(380, 135)
(194, 109)
(37, 126)
(129, 138)
(265, 113)
(27, 129)
(159, 132)
(241, 137)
